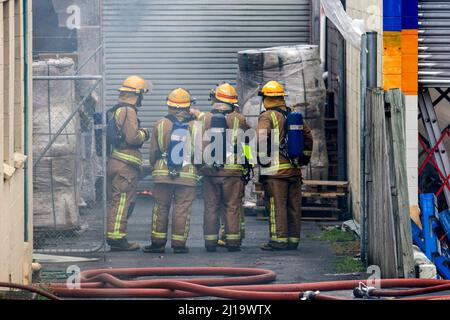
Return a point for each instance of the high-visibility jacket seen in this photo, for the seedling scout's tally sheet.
(235, 121)
(159, 144)
(280, 166)
(133, 137)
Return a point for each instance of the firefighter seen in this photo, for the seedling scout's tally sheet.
(125, 161)
(174, 184)
(223, 184)
(280, 176)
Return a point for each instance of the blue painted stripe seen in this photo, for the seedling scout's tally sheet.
(392, 24)
(392, 8)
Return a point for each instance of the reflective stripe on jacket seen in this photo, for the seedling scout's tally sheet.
(133, 137)
(235, 121)
(159, 143)
(280, 166)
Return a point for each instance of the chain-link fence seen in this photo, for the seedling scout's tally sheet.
(69, 165)
(69, 170)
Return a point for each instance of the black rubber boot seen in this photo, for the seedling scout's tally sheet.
(123, 245)
(292, 247)
(233, 248)
(270, 247)
(180, 250)
(211, 248)
(154, 249)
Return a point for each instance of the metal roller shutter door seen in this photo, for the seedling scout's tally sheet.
(191, 43)
(434, 37)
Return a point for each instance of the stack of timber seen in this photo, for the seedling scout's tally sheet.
(388, 229)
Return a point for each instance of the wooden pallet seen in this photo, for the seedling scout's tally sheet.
(329, 193)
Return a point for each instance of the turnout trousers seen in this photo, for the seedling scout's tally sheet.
(222, 194)
(283, 201)
(122, 180)
(180, 197)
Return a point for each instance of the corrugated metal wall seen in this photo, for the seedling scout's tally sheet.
(434, 52)
(192, 43)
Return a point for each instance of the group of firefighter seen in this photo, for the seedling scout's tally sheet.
(223, 185)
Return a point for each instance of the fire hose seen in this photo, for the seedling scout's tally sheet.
(235, 283)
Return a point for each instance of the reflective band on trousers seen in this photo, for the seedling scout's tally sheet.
(188, 224)
(233, 236)
(120, 209)
(126, 157)
(114, 236)
(178, 238)
(233, 167)
(160, 235)
(275, 169)
(211, 237)
(165, 173)
(154, 220)
(273, 225)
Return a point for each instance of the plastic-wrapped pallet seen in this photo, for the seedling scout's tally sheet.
(56, 191)
(297, 68)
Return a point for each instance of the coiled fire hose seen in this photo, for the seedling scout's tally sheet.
(234, 283)
(29, 288)
(229, 283)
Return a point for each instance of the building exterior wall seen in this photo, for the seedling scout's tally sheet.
(15, 229)
(371, 12)
(400, 70)
(395, 21)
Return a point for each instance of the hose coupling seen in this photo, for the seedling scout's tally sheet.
(308, 295)
(363, 291)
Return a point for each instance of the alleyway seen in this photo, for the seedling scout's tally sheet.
(314, 261)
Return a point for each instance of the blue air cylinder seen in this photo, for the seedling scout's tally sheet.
(295, 135)
(98, 131)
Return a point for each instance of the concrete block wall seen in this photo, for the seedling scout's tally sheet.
(15, 233)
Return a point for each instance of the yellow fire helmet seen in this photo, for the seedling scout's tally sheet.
(135, 84)
(225, 92)
(179, 98)
(273, 89)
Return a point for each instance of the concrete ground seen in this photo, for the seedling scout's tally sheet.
(314, 261)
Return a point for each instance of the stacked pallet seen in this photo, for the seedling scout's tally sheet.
(324, 200)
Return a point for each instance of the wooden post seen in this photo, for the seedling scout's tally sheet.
(400, 194)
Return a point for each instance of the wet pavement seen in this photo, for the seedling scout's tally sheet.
(313, 261)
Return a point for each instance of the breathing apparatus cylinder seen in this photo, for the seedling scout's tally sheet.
(295, 135)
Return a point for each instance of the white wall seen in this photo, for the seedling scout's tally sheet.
(371, 12)
(15, 252)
